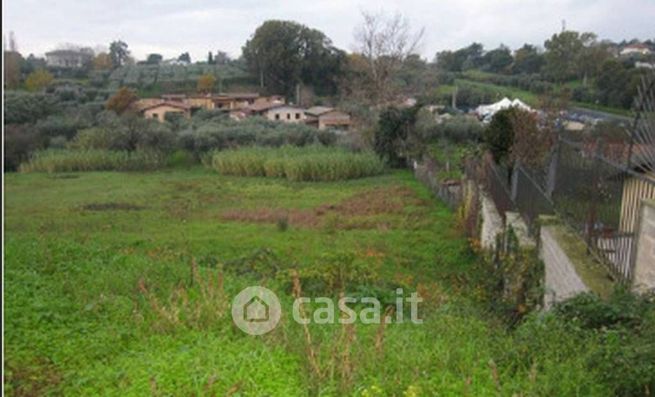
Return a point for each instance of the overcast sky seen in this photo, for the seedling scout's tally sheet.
(171, 27)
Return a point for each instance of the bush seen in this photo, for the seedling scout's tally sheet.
(213, 131)
(297, 164)
(92, 160)
(22, 107)
(583, 94)
(126, 133)
(61, 125)
(458, 129)
(20, 141)
(625, 326)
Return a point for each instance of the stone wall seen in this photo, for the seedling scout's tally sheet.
(644, 272)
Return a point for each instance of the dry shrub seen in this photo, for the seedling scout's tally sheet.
(196, 306)
(379, 335)
(311, 349)
(339, 367)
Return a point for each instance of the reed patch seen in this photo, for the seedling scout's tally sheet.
(315, 163)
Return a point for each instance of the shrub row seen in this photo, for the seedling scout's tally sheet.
(216, 132)
(313, 163)
(92, 160)
(528, 82)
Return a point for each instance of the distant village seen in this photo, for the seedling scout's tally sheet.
(242, 105)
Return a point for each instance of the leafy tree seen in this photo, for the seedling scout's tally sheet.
(564, 52)
(284, 54)
(472, 56)
(592, 57)
(210, 58)
(154, 59)
(531, 143)
(528, 60)
(498, 137)
(121, 100)
(22, 107)
(448, 61)
(221, 58)
(184, 57)
(128, 132)
(62, 125)
(617, 84)
(38, 80)
(118, 53)
(465, 58)
(395, 135)
(206, 83)
(33, 63)
(102, 61)
(416, 77)
(498, 60)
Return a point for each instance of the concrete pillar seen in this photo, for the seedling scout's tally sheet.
(644, 272)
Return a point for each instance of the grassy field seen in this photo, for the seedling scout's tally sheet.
(120, 284)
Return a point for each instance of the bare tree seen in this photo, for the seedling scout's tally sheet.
(385, 42)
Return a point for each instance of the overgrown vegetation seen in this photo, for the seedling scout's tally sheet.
(297, 164)
(99, 303)
(53, 160)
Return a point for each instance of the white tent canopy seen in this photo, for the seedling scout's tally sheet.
(505, 103)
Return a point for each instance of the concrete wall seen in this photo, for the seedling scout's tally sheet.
(492, 223)
(561, 279)
(520, 228)
(644, 272)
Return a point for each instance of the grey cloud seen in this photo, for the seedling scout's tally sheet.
(170, 27)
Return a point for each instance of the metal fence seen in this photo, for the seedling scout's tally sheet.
(448, 191)
(598, 195)
(531, 197)
(589, 186)
(496, 180)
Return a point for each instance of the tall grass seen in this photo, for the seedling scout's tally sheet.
(314, 163)
(92, 160)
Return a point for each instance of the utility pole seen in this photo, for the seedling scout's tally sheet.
(298, 94)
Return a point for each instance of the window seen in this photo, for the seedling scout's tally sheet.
(297, 116)
(277, 116)
(154, 115)
(288, 116)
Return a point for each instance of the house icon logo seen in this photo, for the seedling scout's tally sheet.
(256, 310)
